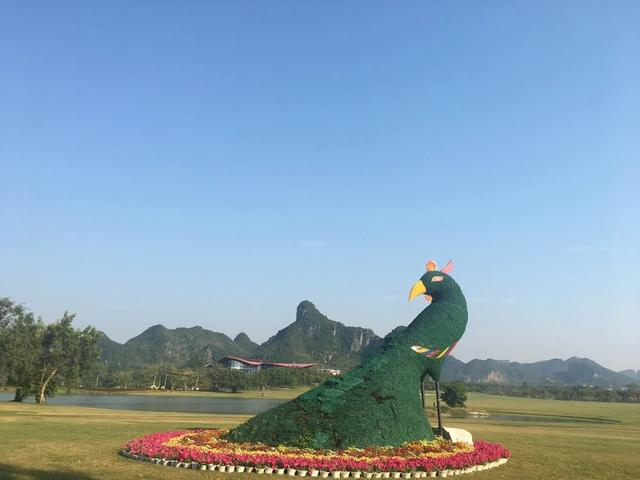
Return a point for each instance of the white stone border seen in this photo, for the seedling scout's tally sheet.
(292, 472)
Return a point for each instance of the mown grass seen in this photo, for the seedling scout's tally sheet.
(60, 442)
(563, 450)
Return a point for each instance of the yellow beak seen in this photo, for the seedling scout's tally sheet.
(417, 289)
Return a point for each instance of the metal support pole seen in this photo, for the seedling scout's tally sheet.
(438, 407)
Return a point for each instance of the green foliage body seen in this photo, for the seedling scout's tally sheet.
(377, 403)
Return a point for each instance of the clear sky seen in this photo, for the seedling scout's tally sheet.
(214, 163)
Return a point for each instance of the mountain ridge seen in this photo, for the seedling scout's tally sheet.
(314, 338)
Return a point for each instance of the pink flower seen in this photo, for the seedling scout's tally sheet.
(209, 446)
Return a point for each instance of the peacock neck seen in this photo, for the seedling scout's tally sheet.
(449, 294)
(450, 298)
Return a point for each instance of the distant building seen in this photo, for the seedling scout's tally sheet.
(237, 363)
(252, 366)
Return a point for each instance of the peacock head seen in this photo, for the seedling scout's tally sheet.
(434, 283)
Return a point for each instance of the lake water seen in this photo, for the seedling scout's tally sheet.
(519, 417)
(241, 406)
(247, 406)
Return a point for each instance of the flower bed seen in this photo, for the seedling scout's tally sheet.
(207, 449)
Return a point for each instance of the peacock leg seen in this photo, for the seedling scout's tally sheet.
(438, 407)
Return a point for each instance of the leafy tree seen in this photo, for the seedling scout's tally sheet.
(218, 376)
(20, 334)
(95, 376)
(238, 380)
(38, 358)
(65, 353)
(122, 378)
(454, 394)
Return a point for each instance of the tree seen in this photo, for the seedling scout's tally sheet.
(20, 338)
(36, 358)
(65, 354)
(454, 394)
(218, 376)
(122, 378)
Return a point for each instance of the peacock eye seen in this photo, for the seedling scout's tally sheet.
(437, 279)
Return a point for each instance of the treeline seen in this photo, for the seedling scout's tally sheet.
(165, 376)
(629, 394)
(236, 380)
(161, 376)
(36, 358)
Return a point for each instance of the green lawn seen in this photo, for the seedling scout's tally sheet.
(57, 442)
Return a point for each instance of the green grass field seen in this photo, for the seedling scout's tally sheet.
(59, 442)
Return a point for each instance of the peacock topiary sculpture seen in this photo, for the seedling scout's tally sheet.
(379, 402)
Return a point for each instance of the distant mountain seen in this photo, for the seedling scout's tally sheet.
(242, 340)
(314, 338)
(632, 374)
(108, 348)
(574, 371)
(179, 346)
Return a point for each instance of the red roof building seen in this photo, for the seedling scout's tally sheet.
(251, 366)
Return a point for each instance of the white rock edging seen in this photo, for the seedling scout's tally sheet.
(312, 473)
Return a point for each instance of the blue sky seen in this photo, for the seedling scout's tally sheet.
(214, 163)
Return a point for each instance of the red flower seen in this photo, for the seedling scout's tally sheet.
(209, 446)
